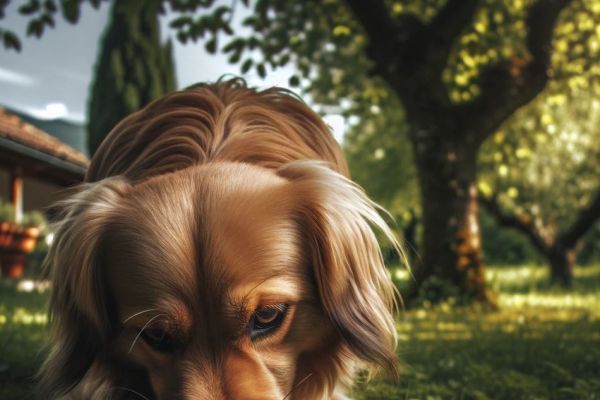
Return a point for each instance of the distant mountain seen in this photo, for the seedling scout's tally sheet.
(67, 132)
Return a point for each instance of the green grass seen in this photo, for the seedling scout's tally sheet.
(544, 343)
(22, 331)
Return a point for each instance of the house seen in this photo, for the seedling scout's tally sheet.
(35, 167)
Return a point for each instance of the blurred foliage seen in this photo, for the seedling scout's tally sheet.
(545, 162)
(328, 47)
(35, 218)
(7, 211)
(505, 246)
(378, 151)
(590, 249)
(543, 166)
(30, 218)
(41, 16)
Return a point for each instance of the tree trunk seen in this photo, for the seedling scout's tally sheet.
(409, 232)
(132, 69)
(562, 261)
(410, 55)
(451, 242)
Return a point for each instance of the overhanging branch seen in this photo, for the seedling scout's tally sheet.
(522, 222)
(390, 39)
(374, 16)
(445, 28)
(586, 218)
(510, 84)
(409, 54)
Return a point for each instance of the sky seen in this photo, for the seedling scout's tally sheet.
(50, 77)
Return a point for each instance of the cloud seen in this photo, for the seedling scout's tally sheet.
(16, 78)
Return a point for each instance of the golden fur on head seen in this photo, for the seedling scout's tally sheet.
(218, 251)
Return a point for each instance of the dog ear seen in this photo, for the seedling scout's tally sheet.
(78, 311)
(357, 293)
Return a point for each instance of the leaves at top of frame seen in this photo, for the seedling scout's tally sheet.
(10, 41)
(71, 10)
(30, 8)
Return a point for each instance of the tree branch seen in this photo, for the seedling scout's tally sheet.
(375, 18)
(388, 37)
(408, 54)
(510, 84)
(446, 27)
(522, 222)
(586, 218)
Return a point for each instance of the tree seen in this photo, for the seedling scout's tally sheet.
(459, 68)
(133, 67)
(546, 184)
(426, 54)
(377, 148)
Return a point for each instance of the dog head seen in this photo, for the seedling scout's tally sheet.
(220, 280)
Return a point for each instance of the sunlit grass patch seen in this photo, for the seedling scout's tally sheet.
(23, 322)
(544, 343)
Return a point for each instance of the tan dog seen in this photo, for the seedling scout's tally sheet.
(218, 251)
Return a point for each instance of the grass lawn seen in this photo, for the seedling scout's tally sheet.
(544, 343)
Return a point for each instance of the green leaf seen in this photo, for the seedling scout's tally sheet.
(70, 10)
(227, 29)
(294, 81)
(182, 37)
(284, 60)
(29, 8)
(35, 28)
(48, 20)
(50, 6)
(247, 65)
(211, 45)
(235, 57)
(180, 22)
(11, 41)
(234, 45)
(262, 71)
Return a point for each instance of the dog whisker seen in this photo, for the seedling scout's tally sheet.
(137, 313)
(297, 385)
(126, 389)
(142, 330)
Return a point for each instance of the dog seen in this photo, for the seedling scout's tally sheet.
(218, 250)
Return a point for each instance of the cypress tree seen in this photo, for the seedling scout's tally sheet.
(132, 68)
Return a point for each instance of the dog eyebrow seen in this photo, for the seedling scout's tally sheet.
(285, 288)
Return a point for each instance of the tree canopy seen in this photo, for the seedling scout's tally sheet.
(443, 75)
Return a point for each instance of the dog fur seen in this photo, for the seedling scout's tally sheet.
(199, 212)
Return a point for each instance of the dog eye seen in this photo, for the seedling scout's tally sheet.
(266, 320)
(158, 339)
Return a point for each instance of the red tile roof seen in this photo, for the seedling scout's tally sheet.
(15, 129)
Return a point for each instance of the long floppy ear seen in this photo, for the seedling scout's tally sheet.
(78, 311)
(355, 288)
